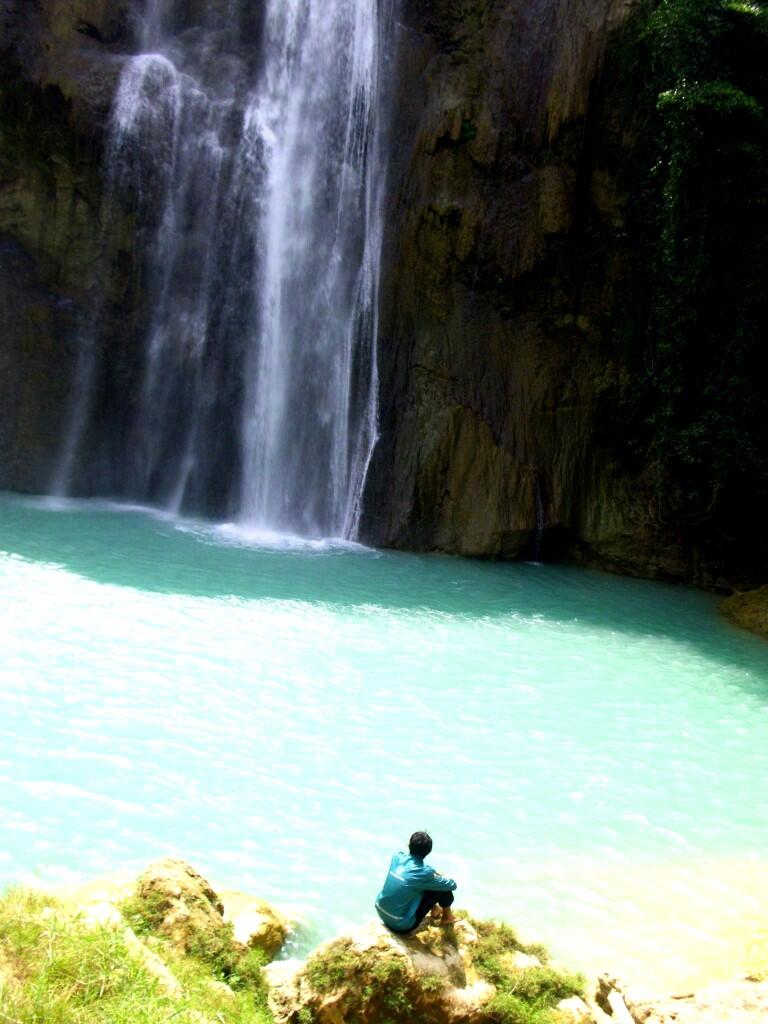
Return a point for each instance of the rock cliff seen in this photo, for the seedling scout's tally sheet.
(514, 264)
(498, 374)
(59, 65)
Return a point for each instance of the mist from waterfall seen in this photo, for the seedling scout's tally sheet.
(246, 149)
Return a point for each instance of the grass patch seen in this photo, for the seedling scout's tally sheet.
(524, 995)
(145, 914)
(56, 969)
(214, 948)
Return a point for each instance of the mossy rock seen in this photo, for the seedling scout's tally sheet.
(474, 973)
(749, 610)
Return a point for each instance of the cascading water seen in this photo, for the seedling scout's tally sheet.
(246, 148)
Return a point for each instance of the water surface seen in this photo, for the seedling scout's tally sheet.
(590, 753)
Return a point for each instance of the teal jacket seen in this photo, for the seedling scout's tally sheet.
(406, 881)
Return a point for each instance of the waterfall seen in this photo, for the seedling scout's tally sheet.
(245, 147)
(538, 501)
(317, 302)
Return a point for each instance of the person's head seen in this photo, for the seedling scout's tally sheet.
(420, 844)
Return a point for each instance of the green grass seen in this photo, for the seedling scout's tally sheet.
(523, 995)
(215, 950)
(56, 969)
(145, 913)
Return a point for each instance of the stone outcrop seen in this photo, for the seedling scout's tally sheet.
(438, 976)
(474, 972)
(748, 609)
(361, 976)
(181, 906)
(254, 922)
(743, 1001)
(435, 974)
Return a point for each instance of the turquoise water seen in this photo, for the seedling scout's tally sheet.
(284, 714)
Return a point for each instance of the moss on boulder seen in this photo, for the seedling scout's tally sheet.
(473, 973)
(235, 936)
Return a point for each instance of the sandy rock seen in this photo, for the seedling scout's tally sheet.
(184, 906)
(737, 1002)
(254, 922)
(744, 1001)
(574, 1011)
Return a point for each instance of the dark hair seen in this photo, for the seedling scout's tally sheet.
(420, 844)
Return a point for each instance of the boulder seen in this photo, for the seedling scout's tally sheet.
(255, 923)
(574, 1011)
(743, 1001)
(749, 610)
(370, 975)
(180, 904)
(477, 972)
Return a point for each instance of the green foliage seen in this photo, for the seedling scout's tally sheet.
(56, 969)
(216, 948)
(468, 130)
(523, 995)
(695, 81)
(381, 983)
(496, 943)
(507, 1008)
(330, 969)
(227, 960)
(393, 981)
(431, 984)
(144, 913)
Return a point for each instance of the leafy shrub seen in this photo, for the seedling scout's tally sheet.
(695, 86)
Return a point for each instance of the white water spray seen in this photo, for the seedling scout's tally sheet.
(251, 164)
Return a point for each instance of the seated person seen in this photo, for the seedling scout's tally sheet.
(412, 889)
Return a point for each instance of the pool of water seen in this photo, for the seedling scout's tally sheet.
(590, 753)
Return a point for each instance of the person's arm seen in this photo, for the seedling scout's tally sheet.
(432, 879)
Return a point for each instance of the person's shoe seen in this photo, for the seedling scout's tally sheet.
(448, 918)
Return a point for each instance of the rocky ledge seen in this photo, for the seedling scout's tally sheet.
(748, 610)
(201, 957)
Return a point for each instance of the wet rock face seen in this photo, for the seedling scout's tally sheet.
(748, 610)
(499, 381)
(59, 65)
(37, 328)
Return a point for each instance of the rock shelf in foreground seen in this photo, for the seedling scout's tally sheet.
(168, 946)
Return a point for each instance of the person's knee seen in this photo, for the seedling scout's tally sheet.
(445, 899)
